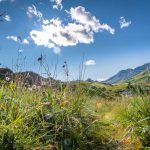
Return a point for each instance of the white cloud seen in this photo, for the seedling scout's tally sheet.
(18, 39)
(107, 28)
(90, 62)
(80, 15)
(124, 23)
(41, 38)
(14, 38)
(102, 79)
(56, 34)
(60, 35)
(45, 21)
(32, 11)
(20, 50)
(58, 4)
(7, 18)
(57, 50)
(25, 41)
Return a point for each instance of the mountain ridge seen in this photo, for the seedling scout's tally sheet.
(127, 74)
(27, 78)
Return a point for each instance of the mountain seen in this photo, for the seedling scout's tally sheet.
(127, 74)
(5, 72)
(143, 77)
(27, 78)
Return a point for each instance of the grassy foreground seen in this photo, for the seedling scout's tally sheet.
(65, 119)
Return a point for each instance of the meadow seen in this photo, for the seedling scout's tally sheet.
(74, 116)
(65, 42)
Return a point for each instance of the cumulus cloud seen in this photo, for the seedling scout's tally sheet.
(90, 62)
(41, 38)
(25, 41)
(57, 34)
(80, 15)
(80, 30)
(58, 4)
(45, 21)
(124, 23)
(18, 39)
(7, 18)
(32, 11)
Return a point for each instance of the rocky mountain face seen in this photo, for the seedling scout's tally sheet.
(127, 74)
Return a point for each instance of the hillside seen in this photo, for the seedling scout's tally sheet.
(143, 77)
(127, 74)
(27, 78)
(5, 72)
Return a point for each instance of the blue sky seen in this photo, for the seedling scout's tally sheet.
(111, 35)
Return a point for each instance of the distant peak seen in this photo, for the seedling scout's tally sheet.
(124, 75)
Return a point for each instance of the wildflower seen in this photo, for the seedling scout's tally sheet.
(7, 78)
(30, 89)
(34, 87)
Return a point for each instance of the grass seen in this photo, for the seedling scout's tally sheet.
(136, 117)
(143, 77)
(79, 117)
(30, 119)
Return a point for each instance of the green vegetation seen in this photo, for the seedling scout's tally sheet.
(143, 77)
(136, 117)
(94, 89)
(75, 116)
(48, 118)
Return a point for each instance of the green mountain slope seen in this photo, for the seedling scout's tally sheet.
(127, 74)
(143, 77)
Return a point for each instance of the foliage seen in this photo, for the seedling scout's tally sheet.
(76, 115)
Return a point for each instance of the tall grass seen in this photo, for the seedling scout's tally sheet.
(73, 116)
(48, 118)
(135, 116)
